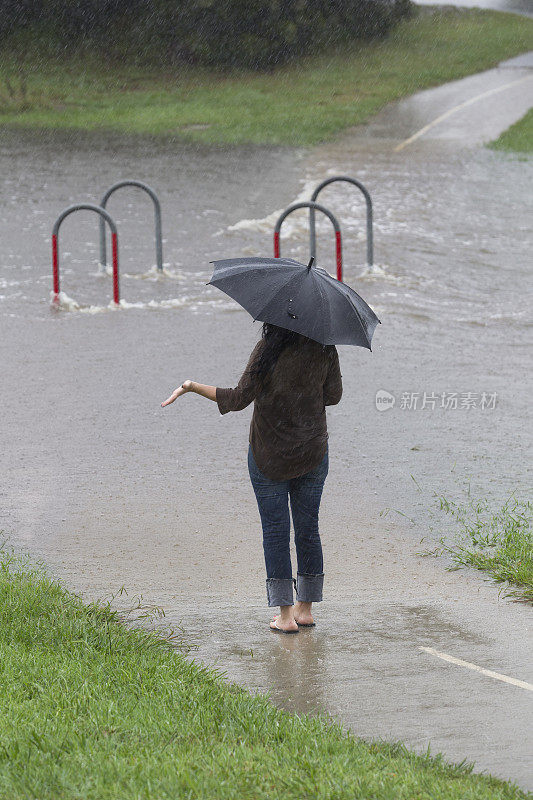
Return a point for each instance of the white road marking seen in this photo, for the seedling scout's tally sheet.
(497, 675)
(451, 111)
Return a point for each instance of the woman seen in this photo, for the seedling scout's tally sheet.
(291, 379)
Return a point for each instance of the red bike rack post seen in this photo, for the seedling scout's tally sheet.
(55, 244)
(315, 207)
(114, 255)
(55, 265)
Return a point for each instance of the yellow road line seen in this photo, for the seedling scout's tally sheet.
(447, 114)
(497, 675)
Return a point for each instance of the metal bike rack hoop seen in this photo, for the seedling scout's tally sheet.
(369, 215)
(104, 217)
(157, 214)
(313, 207)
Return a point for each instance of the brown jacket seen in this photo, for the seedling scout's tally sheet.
(288, 431)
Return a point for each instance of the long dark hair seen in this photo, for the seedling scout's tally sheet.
(276, 340)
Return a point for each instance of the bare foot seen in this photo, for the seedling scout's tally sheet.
(285, 625)
(302, 613)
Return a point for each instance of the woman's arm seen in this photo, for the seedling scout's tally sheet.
(333, 383)
(227, 399)
(191, 386)
(246, 390)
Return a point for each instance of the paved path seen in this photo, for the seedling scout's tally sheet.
(470, 111)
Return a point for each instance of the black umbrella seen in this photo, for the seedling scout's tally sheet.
(300, 297)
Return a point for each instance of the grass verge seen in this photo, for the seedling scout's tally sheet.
(300, 104)
(499, 542)
(519, 137)
(92, 708)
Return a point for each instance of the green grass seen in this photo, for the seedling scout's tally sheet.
(519, 137)
(300, 104)
(499, 542)
(94, 709)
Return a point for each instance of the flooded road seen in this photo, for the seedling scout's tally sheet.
(111, 490)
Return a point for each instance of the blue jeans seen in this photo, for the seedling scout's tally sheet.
(305, 493)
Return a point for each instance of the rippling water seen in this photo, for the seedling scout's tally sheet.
(450, 286)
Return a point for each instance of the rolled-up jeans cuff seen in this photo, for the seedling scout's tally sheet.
(279, 591)
(309, 587)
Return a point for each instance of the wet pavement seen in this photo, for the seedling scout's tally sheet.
(114, 491)
(364, 666)
(460, 112)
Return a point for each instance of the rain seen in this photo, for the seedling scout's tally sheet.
(116, 494)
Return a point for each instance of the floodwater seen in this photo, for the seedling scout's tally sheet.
(112, 490)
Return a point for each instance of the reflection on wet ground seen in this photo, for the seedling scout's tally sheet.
(364, 667)
(112, 490)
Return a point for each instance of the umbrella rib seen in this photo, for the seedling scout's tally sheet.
(256, 270)
(230, 271)
(363, 325)
(324, 300)
(346, 294)
(286, 286)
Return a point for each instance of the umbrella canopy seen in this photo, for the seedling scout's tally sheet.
(297, 296)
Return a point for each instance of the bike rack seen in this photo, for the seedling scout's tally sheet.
(157, 212)
(369, 216)
(313, 207)
(104, 217)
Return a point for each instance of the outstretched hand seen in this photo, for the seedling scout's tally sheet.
(183, 389)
